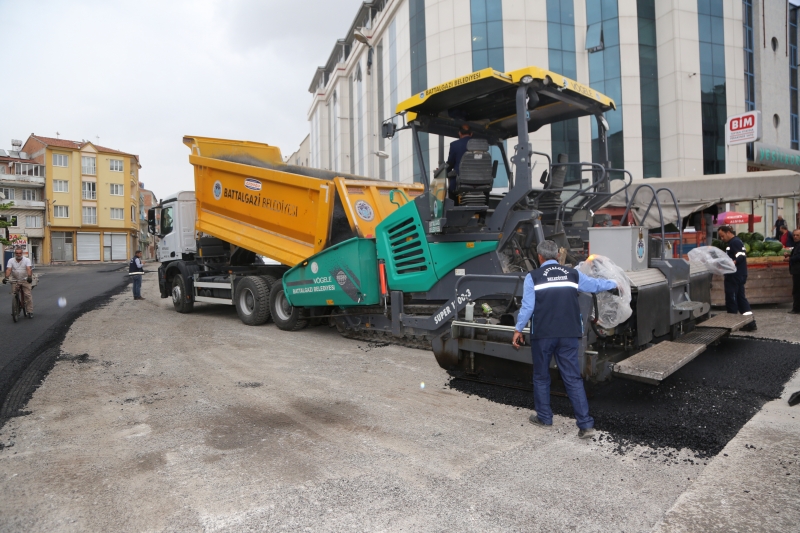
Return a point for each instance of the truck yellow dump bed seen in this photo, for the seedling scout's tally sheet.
(248, 197)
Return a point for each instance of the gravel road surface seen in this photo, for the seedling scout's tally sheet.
(152, 420)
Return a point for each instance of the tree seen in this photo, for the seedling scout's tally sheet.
(3, 225)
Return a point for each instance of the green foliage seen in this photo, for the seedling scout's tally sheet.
(4, 225)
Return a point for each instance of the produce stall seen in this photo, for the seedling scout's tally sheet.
(768, 278)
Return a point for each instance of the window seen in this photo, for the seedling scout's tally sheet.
(29, 195)
(90, 215)
(393, 98)
(419, 74)
(2, 169)
(10, 219)
(89, 190)
(594, 37)
(713, 90)
(117, 189)
(133, 213)
(166, 221)
(33, 222)
(648, 88)
(116, 165)
(60, 160)
(60, 186)
(8, 194)
(88, 165)
(794, 120)
(117, 213)
(133, 189)
(61, 211)
(487, 34)
(28, 169)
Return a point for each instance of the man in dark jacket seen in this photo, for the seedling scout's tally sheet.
(735, 300)
(457, 150)
(136, 270)
(556, 331)
(794, 270)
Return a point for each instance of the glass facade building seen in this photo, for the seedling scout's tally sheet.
(714, 102)
(605, 73)
(749, 59)
(564, 136)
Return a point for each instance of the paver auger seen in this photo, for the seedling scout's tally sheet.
(407, 264)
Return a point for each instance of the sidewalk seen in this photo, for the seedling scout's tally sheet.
(754, 484)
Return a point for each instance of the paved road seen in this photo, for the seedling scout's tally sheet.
(78, 285)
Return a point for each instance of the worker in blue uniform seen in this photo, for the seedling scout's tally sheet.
(735, 299)
(457, 150)
(556, 331)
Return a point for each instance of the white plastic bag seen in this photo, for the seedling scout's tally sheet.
(612, 310)
(715, 260)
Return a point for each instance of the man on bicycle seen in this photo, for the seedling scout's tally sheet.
(19, 268)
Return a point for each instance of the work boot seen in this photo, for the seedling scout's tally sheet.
(30, 315)
(586, 433)
(750, 327)
(534, 419)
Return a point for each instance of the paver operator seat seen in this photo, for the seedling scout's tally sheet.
(476, 174)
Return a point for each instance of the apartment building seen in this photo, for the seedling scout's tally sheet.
(147, 242)
(92, 206)
(22, 184)
(676, 70)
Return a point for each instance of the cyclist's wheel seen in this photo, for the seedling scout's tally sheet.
(15, 307)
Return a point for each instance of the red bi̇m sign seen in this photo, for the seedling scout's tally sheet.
(744, 128)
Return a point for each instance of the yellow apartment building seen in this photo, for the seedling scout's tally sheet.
(92, 200)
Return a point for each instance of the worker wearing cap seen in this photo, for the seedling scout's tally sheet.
(457, 150)
(735, 300)
(20, 270)
(556, 330)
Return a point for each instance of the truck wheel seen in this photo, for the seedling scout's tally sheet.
(181, 299)
(285, 316)
(252, 300)
(271, 281)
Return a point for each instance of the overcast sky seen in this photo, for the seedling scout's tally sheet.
(141, 74)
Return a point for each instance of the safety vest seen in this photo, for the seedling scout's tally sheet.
(133, 268)
(557, 312)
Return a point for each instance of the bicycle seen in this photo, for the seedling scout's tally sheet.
(18, 301)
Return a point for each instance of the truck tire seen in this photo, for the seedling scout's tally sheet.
(252, 300)
(285, 316)
(182, 300)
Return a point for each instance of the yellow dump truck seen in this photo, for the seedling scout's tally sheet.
(249, 206)
(438, 264)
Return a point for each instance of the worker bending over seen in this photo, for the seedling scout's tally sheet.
(556, 330)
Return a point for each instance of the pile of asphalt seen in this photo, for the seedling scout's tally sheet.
(701, 407)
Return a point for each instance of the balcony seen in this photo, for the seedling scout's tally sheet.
(22, 180)
(30, 204)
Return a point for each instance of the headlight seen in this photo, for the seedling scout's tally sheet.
(527, 79)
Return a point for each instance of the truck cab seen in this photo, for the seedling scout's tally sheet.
(172, 221)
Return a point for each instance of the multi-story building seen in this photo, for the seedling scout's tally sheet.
(301, 155)
(675, 68)
(22, 183)
(147, 242)
(92, 200)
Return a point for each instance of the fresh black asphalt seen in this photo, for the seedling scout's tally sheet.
(701, 407)
(28, 342)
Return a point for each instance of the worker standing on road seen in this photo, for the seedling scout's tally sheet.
(794, 269)
(457, 150)
(556, 330)
(735, 300)
(20, 270)
(136, 269)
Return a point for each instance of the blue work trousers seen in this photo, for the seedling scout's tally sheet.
(565, 350)
(735, 300)
(137, 286)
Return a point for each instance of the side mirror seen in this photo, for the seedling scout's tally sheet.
(388, 129)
